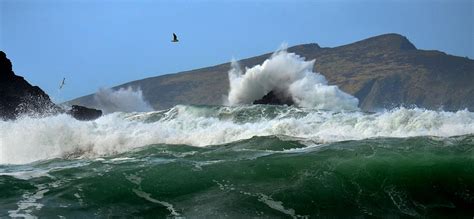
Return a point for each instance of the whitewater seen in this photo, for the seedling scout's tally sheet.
(32, 139)
(322, 114)
(322, 157)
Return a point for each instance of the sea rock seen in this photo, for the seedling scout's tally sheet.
(84, 113)
(272, 98)
(18, 97)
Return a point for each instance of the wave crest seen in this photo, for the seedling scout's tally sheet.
(30, 139)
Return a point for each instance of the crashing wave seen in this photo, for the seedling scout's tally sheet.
(288, 76)
(30, 139)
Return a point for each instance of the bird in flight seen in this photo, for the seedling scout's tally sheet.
(175, 38)
(62, 83)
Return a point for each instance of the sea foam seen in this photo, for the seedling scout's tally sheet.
(31, 139)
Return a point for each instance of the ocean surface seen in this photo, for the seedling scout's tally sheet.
(240, 162)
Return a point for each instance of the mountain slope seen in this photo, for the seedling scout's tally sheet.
(383, 72)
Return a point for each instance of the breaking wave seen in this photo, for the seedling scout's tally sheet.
(31, 139)
(289, 76)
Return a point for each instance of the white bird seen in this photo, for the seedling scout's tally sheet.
(175, 38)
(62, 83)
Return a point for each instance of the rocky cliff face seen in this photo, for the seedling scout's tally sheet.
(18, 97)
(385, 71)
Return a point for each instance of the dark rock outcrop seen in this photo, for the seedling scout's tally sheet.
(273, 99)
(6, 70)
(84, 113)
(18, 97)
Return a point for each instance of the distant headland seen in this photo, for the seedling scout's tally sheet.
(384, 71)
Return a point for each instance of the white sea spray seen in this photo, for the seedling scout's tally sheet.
(31, 139)
(289, 76)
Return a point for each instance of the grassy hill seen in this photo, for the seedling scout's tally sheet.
(383, 72)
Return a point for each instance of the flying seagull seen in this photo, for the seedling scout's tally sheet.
(175, 38)
(62, 84)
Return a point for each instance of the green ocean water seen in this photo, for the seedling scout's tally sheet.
(259, 177)
(240, 162)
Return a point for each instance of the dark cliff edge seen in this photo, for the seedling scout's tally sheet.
(384, 71)
(18, 98)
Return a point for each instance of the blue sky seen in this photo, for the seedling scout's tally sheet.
(105, 43)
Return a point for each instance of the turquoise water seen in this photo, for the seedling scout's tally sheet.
(266, 176)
